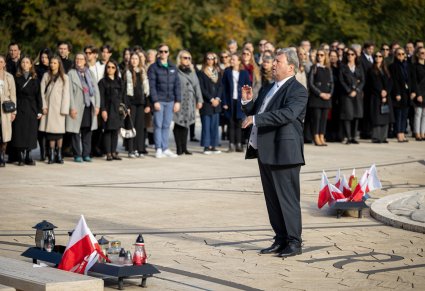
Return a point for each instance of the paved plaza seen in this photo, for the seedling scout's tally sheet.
(204, 218)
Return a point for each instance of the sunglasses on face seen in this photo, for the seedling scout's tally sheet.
(401, 54)
(163, 52)
(378, 56)
(224, 57)
(211, 58)
(88, 53)
(422, 53)
(340, 49)
(186, 58)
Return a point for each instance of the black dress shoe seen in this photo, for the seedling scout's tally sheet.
(186, 152)
(274, 248)
(194, 139)
(291, 249)
(353, 141)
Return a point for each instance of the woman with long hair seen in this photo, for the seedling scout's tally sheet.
(381, 109)
(352, 81)
(126, 54)
(55, 94)
(28, 111)
(84, 108)
(211, 87)
(190, 101)
(333, 132)
(41, 67)
(251, 67)
(112, 94)
(403, 91)
(7, 94)
(234, 78)
(321, 87)
(418, 101)
(137, 90)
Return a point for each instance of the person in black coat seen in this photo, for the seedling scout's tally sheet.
(112, 94)
(352, 81)
(12, 59)
(334, 129)
(41, 68)
(381, 110)
(29, 110)
(211, 87)
(402, 93)
(366, 61)
(418, 101)
(321, 87)
(234, 78)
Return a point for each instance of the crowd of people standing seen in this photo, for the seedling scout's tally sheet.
(79, 107)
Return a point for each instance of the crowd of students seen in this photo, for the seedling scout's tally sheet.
(78, 107)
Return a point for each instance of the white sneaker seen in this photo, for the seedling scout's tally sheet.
(169, 154)
(136, 153)
(215, 151)
(159, 154)
(131, 155)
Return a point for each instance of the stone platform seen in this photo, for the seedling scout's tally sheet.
(204, 218)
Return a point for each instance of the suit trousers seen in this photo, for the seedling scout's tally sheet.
(281, 186)
(110, 141)
(84, 140)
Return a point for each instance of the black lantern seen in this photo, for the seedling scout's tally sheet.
(45, 236)
(104, 245)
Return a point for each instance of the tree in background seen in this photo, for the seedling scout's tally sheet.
(206, 25)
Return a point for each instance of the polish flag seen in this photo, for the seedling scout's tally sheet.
(360, 189)
(342, 184)
(335, 194)
(324, 195)
(82, 250)
(373, 182)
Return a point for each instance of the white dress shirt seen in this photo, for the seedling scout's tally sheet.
(266, 101)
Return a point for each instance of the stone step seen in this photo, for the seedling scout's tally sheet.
(24, 276)
(6, 288)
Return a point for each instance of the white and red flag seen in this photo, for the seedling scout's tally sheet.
(342, 184)
(82, 250)
(329, 193)
(373, 182)
(352, 178)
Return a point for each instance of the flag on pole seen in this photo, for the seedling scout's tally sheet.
(324, 195)
(373, 182)
(82, 250)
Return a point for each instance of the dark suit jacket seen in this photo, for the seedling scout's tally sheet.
(228, 92)
(280, 126)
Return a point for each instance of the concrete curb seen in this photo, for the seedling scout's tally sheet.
(379, 211)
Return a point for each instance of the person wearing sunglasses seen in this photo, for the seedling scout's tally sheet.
(352, 79)
(224, 60)
(112, 93)
(381, 110)
(403, 92)
(165, 95)
(321, 87)
(191, 100)
(418, 101)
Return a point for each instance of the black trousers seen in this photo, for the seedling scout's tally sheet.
(137, 113)
(235, 126)
(82, 139)
(281, 186)
(110, 141)
(318, 120)
(180, 136)
(350, 127)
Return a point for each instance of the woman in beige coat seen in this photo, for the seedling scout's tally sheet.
(55, 95)
(84, 108)
(7, 93)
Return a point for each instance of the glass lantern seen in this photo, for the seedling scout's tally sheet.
(139, 257)
(45, 236)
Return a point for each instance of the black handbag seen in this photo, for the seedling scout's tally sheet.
(385, 109)
(8, 106)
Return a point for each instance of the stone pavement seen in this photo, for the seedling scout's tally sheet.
(204, 218)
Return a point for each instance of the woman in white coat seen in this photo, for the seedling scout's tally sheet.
(55, 96)
(84, 108)
(7, 93)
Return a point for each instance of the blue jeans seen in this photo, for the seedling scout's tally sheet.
(209, 136)
(162, 121)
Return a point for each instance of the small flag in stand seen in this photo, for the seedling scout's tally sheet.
(352, 180)
(373, 182)
(324, 195)
(82, 250)
(342, 184)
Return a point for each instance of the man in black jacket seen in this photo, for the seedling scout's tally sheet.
(276, 139)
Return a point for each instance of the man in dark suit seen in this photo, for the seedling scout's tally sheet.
(276, 139)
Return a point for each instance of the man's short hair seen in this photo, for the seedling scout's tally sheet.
(106, 46)
(291, 57)
(14, 43)
(67, 44)
(232, 41)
